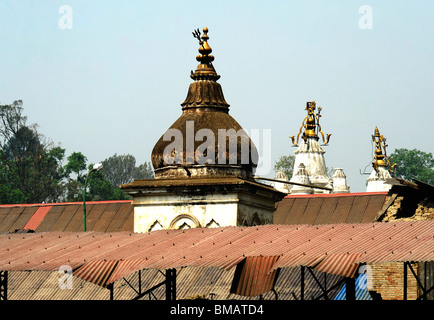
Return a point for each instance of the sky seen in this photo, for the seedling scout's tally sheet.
(108, 77)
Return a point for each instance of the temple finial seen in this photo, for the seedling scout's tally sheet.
(380, 146)
(204, 57)
(204, 92)
(311, 125)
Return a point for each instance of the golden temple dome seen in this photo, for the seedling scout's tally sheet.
(205, 140)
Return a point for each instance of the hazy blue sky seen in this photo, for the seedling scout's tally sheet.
(113, 83)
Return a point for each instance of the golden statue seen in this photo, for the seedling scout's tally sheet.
(311, 125)
(379, 157)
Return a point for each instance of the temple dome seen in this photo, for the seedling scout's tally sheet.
(205, 140)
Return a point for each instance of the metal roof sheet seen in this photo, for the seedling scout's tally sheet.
(102, 216)
(191, 282)
(253, 276)
(36, 218)
(329, 208)
(106, 257)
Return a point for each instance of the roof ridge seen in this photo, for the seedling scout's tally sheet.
(331, 195)
(61, 203)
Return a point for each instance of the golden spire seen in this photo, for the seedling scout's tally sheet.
(311, 125)
(380, 158)
(205, 68)
(205, 92)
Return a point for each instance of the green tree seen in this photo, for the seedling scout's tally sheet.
(104, 184)
(121, 169)
(76, 164)
(11, 120)
(144, 171)
(38, 165)
(31, 167)
(50, 174)
(413, 164)
(73, 186)
(286, 164)
(9, 182)
(33, 163)
(100, 188)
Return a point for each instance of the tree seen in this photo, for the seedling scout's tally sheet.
(100, 188)
(50, 174)
(31, 168)
(33, 163)
(11, 120)
(144, 171)
(104, 184)
(73, 188)
(286, 164)
(413, 164)
(9, 183)
(76, 164)
(37, 165)
(121, 169)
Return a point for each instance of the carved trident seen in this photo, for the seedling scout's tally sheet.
(196, 33)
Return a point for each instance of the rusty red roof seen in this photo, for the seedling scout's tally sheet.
(103, 258)
(102, 216)
(329, 208)
(113, 216)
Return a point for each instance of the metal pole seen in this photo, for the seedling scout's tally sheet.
(110, 287)
(424, 283)
(302, 283)
(294, 183)
(84, 200)
(350, 287)
(140, 282)
(170, 284)
(96, 167)
(174, 284)
(405, 280)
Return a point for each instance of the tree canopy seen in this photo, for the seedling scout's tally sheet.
(286, 164)
(32, 168)
(121, 169)
(413, 164)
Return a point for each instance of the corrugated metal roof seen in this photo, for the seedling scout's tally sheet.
(106, 257)
(102, 216)
(253, 276)
(191, 283)
(36, 218)
(329, 208)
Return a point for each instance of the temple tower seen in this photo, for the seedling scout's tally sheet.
(309, 156)
(339, 181)
(381, 165)
(204, 164)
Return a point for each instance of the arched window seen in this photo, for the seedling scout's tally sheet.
(183, 221)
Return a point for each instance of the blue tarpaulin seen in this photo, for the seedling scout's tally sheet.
(362, 292)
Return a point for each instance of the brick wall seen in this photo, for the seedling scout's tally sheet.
(388, 280)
